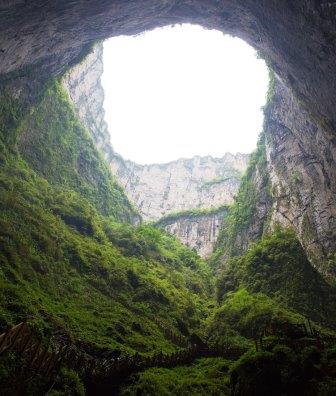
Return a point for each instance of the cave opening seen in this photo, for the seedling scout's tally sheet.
(182, 91)
(115, 306)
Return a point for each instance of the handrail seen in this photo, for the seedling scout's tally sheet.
(45, 360)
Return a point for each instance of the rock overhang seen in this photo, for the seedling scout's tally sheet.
(296, 38)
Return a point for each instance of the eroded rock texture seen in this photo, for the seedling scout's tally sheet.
(199, 182)
(298, 38)
(297, 186)
(86, 92)
(197, 231)
(301, 161)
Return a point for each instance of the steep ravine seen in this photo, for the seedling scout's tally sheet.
(159, 190)
(299, 162)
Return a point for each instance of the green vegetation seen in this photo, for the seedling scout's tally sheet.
(191, 213)
(242, 315)
(73, 264)
(278, 267)
(235, 175)
(205, 377)
(67, 383)
(255, 187)
(271, 87)
(285, 371)
(296, 177)
(56, 146)
(241, 214)
(66, 263)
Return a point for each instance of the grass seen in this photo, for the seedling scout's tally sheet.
(234, 175)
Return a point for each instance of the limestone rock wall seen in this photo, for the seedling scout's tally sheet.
(299, 190)
(301, 162)
(87, 94)
(197, 232)
(199, 182)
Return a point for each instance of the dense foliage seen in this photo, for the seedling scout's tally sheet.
(278, 267)
(205, 377)
(56, 146)
(249, 215)
(191, 214)
(243, 213)
(73, 264)
(65, 262)
(283, 370)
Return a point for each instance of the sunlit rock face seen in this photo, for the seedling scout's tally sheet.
(199, 182)
(300, 163)
(83, 85)
(198, 231)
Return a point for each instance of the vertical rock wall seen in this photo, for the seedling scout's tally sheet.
(301, 161)
(197, 231)
(200, 182)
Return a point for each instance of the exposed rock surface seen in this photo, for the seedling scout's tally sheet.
(295, 171)
(199, 182)
(298, 187)
(85, 90)
(301, 162)
(198, 231)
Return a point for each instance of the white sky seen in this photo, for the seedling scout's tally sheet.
(182, 91)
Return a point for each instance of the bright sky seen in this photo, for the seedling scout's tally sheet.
(182, 91)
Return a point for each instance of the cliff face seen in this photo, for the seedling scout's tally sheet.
(199, 182)
(86, 92)
(198, 230)
(292, 182)
(301, 161)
